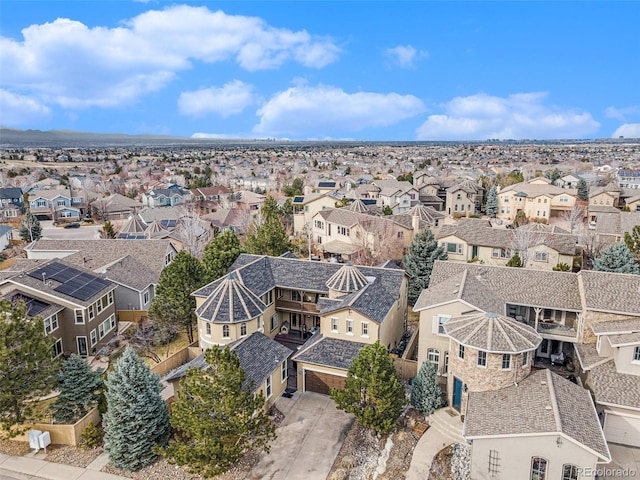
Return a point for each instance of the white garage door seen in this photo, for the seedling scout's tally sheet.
(623, 430)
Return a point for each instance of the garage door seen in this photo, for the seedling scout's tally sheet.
(321, 382)
(622, 430)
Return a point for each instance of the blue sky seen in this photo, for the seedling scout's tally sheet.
(320, 70)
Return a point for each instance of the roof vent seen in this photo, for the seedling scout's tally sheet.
(547, 407)
(543, 382)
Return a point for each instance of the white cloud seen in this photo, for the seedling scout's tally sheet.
(517, 116)
(68, 63)
(405, 56)
(325, 110)
(18, 110)
(627, 130)
(230, 99)
(622, 114)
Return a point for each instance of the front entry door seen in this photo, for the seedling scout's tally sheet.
(82, 346)
(457, 393)
(474, 251)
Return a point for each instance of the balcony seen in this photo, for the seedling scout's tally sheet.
(294, 306)
(555, 329)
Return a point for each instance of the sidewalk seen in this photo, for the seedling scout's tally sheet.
(29, 467)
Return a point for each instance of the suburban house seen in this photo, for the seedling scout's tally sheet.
(209, 199)
(399, 196)
(611, 369)
(114, 207)
(537, 199)
(77, 305)
(540, 427)
(633, 203)
(604, 196)
(629, 178)
(58, 204)
(11, 202)
(165, 197)
(305, 207)
(568, 181)
(457, 196)
(328, 310)
(6, 235)
(475, 240)
(263, 360)
(133, 267)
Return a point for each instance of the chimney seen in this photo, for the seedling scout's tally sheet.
(44, 277)
(415, 222)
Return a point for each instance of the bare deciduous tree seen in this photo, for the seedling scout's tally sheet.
(378, 240)
(575, 217)
(589, 240)
(526, 237)
(194, 232)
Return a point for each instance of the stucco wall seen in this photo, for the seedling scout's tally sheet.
(624, 360)
(357, 319)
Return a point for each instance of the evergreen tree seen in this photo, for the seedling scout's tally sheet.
(583, 190)
(616, 258)
(268, 238)
(426, 395)
(492, 202)
(220, 254)
(632, 241)
(515, 261)
(30, 229)
(173, 305)
(423, 252)
(216, 418)
(296, 188)
(27, 367)
(108, 231)
(137, 418)
(373, 391)
(80, 390)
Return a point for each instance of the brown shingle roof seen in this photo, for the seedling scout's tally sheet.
(612, 387)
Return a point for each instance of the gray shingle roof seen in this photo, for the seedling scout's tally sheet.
(541, 403)
(494, 333)
(617, 326)
(617, 292)
(615, 388)
(230, 302)
(588, 355)
(329, 352)
(259, 357)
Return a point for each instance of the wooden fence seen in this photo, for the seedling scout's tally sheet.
(131, 315)
(63, 434)
(406, 366)
(179, 358)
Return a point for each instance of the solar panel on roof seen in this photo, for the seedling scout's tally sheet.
(34, 306)
(298, 199)
(168, 223)
(49, 270)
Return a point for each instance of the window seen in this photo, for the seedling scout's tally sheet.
(400, 234)
(458, 196)
(267, 298)
(283, 371)
(57, 348)
(93, 338)
(99, 306)
(636, 354)
(274, 322)
(461, 351)
(506, 361)
(564, 199)
(525, 359)
(41, 203)
(365, 329)
(501, 253)
(569, 472)
(267, 389)
(295, 296)
(225, 331)
(79, 318)
(482, 358)
(207, 328)
(51, 323)
(334, 324)
(445, 368)
(442, 319)
(506, 199)
(494, 462)
(243, 330)
(343, 231)
(106, 326)
(167, 259)
(538, 468)
(349, 327)
(541, 257)
(433, 356)
(92, 311)
(145, 297)
(452, 247)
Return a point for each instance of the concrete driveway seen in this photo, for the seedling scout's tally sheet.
(309, 439)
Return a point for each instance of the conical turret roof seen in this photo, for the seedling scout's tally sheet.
(134, 225)
(346, 280)
(156, 229)
(357, 206)
(493, 333)
(426, 214)
(231, 302)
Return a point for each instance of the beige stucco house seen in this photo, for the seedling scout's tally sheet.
(305, 207)
(538, 201)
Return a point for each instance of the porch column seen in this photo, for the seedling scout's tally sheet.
(537, 310)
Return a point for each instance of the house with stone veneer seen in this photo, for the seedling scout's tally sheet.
(329, 310)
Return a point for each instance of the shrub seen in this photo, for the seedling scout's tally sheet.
(91, 436)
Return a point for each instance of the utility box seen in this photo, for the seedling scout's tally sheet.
(34, 439)
(44, 440)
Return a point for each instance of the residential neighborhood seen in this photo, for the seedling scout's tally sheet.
(487, 295)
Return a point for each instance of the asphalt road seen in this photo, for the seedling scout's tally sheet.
(85, 232)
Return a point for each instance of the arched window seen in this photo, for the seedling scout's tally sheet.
(569, 472)
(538, 468)
(433, 356)
(225, 331)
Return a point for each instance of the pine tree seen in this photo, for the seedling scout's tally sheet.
(373, 391)
(268, 238)
(616, 258)
(108, 231)
(426, 395)
(217, 419)
(30, 229)
(492, 202)
(173, 305)
(27, 367)
(632, 241)
(80, 390)
(515, 261)
(137, 418)
(583, 190)
(220, 254)
(423, 252)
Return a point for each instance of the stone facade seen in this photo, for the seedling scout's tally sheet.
(480, 379)
(590, 317)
